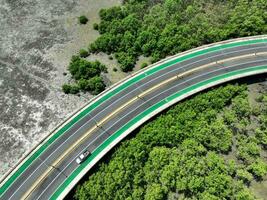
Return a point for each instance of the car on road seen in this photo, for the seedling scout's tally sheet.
(82, 157)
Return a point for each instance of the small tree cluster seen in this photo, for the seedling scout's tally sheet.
(161, 28)
(86, 75)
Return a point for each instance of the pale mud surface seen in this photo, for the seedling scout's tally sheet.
(37, 40)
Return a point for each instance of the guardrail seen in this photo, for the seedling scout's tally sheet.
(117, 88)
(114, 139)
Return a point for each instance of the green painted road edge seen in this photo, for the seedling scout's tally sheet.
(113, 137)
(106, 96)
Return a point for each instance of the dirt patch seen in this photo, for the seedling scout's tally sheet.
(37, 40)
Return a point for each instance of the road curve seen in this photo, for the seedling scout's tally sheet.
(54, 171)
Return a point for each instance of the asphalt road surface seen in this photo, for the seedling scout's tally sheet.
(58, 173)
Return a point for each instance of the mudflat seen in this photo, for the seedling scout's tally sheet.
(37, 40)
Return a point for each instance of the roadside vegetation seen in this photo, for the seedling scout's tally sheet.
(208, 147)
(86, 75)
(159, 28)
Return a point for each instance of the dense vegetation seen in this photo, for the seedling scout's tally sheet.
(86, 75)
(202, 148)
(159, 28)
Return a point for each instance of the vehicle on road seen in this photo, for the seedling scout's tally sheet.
(82, 157)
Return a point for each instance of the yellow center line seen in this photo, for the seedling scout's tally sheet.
(237, 57)
(85, 136)
(261, 53)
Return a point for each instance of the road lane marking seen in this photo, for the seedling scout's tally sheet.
(246, 45)
(74, 146)
(134, 110)
(191, 64)
(176, 69)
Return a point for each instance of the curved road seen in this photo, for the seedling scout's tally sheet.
(46, 174)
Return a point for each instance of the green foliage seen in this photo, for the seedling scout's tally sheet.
(241, 107)
(180, 152)
(126, 61)
(244, 175)
(262, 137)
(115, 69)
(94, 85)
(66, 88)
(81, 68)
(248, 18)
(87, 76)
(95, 26)
(83, 19)
(165, 27)
(83, 53)
(261, 132)
(144, 65)
(248, 149)
(258, 168)
(70, 89)
(214, 133)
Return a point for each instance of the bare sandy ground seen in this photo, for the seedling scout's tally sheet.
(37, 40)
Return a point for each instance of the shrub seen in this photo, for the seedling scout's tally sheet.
(94, 85)
(87, 76)
(83, 53)
(244, 175)
(95, 26)
(70, 89)
(81, 68)
(83, 19)
(66, 88)
(259, 98)
(127, 61)
(258, 168)
(74, 89)
(261, 135)
(143, 65)
(115, 69)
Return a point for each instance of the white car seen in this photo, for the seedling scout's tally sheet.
(82, 157)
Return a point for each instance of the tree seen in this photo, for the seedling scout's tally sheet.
(244, 175)
(83, 19)
(95, 26)
(262, 137)
(154, 192)
(66, 88)
(258, 168)
(74, 89)
(70, 89)
(126, 61)
(158, 30)
(96, 85)
(169, 156)
(87, 76)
